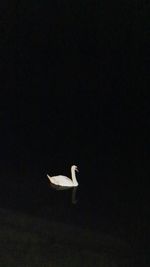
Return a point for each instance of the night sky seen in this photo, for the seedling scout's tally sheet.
(73, 80)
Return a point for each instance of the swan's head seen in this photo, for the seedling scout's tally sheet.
(75, 168)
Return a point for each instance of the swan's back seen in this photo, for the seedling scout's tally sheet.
(61, 180)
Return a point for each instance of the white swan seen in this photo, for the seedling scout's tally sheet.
(61, 180)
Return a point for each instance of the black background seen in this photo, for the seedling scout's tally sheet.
(73, 90)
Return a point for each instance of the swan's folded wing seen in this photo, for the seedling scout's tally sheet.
(61, 180)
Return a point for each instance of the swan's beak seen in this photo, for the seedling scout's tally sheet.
(77, 170)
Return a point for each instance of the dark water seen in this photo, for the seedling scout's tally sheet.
(107, 195)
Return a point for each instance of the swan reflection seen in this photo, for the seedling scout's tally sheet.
(64, 188)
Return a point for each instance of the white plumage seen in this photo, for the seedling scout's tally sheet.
(61, 180)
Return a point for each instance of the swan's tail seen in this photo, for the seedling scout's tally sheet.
(48, 176)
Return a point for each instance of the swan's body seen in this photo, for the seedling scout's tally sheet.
(61, 180)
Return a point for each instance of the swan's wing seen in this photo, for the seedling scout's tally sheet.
(61, 180)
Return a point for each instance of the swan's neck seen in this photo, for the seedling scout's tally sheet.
(73, 174)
